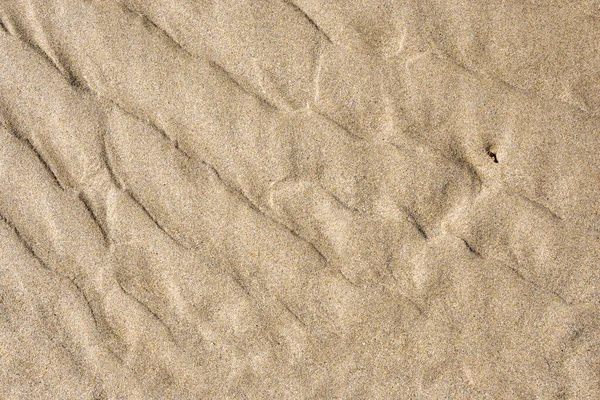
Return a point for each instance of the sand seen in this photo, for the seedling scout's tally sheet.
(299, 199)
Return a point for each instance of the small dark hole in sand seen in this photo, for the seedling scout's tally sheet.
(492, 156)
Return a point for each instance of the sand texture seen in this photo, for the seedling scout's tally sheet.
(300, 199)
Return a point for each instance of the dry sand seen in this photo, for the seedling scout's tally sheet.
(299, 199)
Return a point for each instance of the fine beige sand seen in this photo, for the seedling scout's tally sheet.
(299, 199)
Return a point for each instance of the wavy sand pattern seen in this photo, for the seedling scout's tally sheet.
(299, 199)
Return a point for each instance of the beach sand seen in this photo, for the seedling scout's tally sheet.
(299, 199)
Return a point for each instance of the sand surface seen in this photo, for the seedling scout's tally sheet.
(299, 199)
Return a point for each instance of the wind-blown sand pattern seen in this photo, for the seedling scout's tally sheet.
(299, 199)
